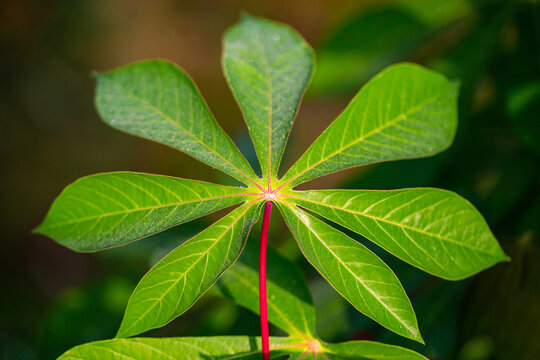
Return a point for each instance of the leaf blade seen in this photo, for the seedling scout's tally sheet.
(106, 210)
(157, 100)
(413, 224)
(203, 348)
(423, 122)
(268, 67)
(365, 350)
(379, 296)
(174, 284)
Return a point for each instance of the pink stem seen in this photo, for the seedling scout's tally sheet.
(262, 281)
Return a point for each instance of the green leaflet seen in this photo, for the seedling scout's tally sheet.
(435, 230)
(229, 348)
(157, 100)
(268, 67)
(181, 277)
(406, 111)
(111, 209)
(354, 271)
(290, 306)
(192, 348)
(364, 350)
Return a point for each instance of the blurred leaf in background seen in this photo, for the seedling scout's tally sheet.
(368, 41)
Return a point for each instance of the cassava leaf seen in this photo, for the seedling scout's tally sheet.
(354, 271)
(364, 350)
(233, 347)
(111, 209)
(406, 111)
(181, 277)
(192, 348)
(290, 306)
(157, 100)
(435, 230)
(268, 66)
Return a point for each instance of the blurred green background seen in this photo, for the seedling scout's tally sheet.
(53, 299)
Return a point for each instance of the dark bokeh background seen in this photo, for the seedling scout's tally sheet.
(52, 299)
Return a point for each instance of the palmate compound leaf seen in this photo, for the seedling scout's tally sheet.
(232, 347)
(354, 271)
(181, 277)
(157, 100)
(268, 66)
(290, 306)
(406, 111)
(435, 230)
(111, 209)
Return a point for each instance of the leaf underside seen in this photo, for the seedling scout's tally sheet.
(406, 111)
(111, 209)
(354, 271)
(435, 230)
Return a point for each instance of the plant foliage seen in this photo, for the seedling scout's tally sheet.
(406, 111)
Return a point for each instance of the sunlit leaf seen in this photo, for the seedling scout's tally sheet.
(435, 230)
(111, 209)
(180, 278)
(268, 67)
(157, 100)
(364, 350)
(354, 271)
(290, 306)
(193, 348)
(233, 347)
(404, 112)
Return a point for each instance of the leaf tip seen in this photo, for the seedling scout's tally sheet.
(37, 230)
(41, 229)
(416, 335)
(501, 255)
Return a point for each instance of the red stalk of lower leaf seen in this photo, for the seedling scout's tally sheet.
(262, 281)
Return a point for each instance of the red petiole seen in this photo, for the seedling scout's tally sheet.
(262, 281)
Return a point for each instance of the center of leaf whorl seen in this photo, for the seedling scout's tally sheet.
(315, 346)
(270, 195)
